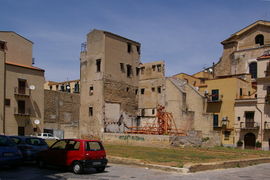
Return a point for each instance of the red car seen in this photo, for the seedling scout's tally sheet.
(75, 153)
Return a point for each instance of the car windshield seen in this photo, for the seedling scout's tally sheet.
(35, 141)
(4, 141)
(93, 146)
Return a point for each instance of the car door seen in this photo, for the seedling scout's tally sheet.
(73, 152)
(56, 155)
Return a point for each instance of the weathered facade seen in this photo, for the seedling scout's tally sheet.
(241, 50)
(109, 80)
(23, 88)
(61, 113)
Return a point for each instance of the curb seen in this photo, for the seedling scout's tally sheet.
(128, 161)
(192, 167)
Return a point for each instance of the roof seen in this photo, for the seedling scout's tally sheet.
(17, 35)
(24, 66)
(152, 63)
(112, 34)
(63, 82)
(266, 55)
(238, 33)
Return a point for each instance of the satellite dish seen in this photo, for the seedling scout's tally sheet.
(32, 87)
(37, 121)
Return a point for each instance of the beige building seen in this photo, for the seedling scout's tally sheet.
(253, 122)
(109, 82)
(23, 87)
(241, 49)
(72, 86)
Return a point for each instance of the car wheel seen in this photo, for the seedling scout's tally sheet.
(77, 167)
(100, 169)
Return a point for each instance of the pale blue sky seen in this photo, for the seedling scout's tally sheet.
(186, 34)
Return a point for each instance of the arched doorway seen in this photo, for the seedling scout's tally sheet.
(250, 140)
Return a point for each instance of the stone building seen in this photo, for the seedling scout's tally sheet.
(241, 49)
(23, 110)
(2, 84)
(109, 82)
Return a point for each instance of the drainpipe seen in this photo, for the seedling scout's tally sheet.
(261, 122)
(4, 107)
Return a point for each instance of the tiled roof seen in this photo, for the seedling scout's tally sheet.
(24, 66)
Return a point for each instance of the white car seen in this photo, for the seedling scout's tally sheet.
(47, 136)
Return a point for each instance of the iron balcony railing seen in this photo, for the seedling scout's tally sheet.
(22, 91)
(22, 111)
(249, 125)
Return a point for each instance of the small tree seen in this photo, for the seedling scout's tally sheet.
(239, 143)
(258, 144)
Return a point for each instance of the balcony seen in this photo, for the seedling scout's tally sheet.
(22, 91)
(249, 126)
(214, 98)
(22, 112)
(267, 126)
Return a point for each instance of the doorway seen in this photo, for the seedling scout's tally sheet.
(250, 140)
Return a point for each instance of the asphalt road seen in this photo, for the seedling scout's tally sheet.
(121, 172)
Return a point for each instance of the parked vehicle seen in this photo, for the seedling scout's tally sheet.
(75, 153)
(29, 146)
(47, 136)
(10, 155)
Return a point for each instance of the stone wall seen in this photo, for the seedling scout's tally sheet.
(62, 112)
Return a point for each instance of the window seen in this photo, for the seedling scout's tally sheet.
(249, 115)
(77, 88)
(122, 67)
(215, 120)
(22, 86)
(67, 88)
(90, 111)
(253, 69)
(259, 39)
(7, 102)
(136, 91)
(137, 71)
(127, 89)
(153, 111)
(249, 93)
(21, 131)
(21, 107)
(159, 89)
(159, 67)
(241, 92)
(215, 95)
(142, 70)
(98, 63)
(129, 48)
(73, 145)
(154, 67)
(91, 90)
(93, 146)
(60, 145)
(50, 87)
(138, 49)
(62, 87)
(227, 135)
(142, 91)
(142, 112)
(129, 70)
(153, 89)
(238, 118)
(57, 86)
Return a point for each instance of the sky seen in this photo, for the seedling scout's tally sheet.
(186, 34)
